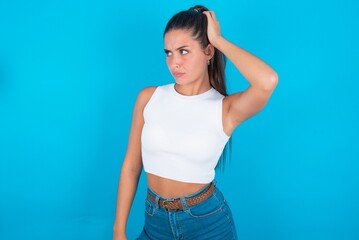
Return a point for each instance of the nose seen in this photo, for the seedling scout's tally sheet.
(175, 62)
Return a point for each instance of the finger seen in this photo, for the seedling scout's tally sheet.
(213, 15)
(208, 14)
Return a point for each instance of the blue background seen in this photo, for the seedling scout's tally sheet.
(70, 72)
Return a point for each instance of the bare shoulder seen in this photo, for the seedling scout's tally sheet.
(145, 95)
(227, 101)
(243, 105)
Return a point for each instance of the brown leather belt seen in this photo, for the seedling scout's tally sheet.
(176, 204)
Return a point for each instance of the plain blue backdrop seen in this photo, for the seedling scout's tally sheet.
(70, 72)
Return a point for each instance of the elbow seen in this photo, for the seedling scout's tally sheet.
(271, 82)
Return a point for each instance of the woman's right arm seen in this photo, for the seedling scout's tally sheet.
(131, 166)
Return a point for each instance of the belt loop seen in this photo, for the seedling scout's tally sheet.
(184, 204)
(214, 182)
(156, 203)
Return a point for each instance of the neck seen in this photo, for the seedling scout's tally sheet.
(195, 87)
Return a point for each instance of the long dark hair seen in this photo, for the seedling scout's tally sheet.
(195, 21)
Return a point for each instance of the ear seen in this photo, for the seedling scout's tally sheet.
(209, 51)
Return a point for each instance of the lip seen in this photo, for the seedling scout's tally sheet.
(177, 74)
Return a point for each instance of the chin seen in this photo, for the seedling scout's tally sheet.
(182, 81)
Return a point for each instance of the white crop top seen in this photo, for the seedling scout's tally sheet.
(182, 137)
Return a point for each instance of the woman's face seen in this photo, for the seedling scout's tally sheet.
(185, 57)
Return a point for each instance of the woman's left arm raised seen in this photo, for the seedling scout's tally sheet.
(262, 78)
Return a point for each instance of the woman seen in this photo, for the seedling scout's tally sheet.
(179, 131)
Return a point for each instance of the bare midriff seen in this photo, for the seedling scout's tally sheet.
(168, 188)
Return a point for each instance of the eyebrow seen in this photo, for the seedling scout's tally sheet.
(166, 50)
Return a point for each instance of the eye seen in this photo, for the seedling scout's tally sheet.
(168, 53)
(183, 51)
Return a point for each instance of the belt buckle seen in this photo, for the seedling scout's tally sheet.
(167, 203)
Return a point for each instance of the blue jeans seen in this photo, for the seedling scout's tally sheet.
(212, 219)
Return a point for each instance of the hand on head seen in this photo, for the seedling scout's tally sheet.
(213, 29)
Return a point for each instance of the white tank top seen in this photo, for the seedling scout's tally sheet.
(182, 137)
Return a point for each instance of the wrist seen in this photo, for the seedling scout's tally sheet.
(119, 235)
(216, 41)
(119, 229)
